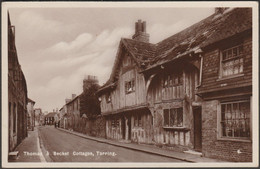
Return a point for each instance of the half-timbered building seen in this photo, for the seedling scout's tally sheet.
(192, 90)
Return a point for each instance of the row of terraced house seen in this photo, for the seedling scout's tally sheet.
(191, 91)
(17, 94)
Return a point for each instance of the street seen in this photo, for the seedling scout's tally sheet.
(65, 147)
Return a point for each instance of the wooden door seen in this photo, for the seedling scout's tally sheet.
(197, 129)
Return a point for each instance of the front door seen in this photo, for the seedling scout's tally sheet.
(197, 129)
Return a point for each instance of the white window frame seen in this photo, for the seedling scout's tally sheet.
(219, 125)
(239, 57)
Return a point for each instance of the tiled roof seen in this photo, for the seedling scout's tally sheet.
(208, 31)
(142, 52)
(192, 39)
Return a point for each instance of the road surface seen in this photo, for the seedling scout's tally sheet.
(65, 147)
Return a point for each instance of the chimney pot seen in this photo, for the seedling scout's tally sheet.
(140, 31)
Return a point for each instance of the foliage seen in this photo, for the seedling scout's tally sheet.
(89, 103)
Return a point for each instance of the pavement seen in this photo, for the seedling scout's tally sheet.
(32, 148)
(29, 150)
(150, 149)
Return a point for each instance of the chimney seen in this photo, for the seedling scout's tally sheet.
(73, 96)
(67, 101)
(220, 10)
(140, 31)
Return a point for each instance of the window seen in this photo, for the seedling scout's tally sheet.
(130, 86)
(235, 119)
(173, 80)
(114, 122)
(232, 61)
(138, 120)
(108, 98)
(173, 117)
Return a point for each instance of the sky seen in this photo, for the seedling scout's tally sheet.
(57, 47)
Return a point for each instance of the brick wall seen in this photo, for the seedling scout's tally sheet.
(220, 149)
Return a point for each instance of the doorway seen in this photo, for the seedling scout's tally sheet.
(129, 127)
(197, 128)
(123, 127)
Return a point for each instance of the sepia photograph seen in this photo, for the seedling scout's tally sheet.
(129, 84)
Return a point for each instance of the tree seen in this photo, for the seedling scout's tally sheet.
(89, 103)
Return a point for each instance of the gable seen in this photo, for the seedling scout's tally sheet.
(125, 60)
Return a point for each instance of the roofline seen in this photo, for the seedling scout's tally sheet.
(201, 47)
(111, 85)
(72, 100)
(30, 100)
(168, 61)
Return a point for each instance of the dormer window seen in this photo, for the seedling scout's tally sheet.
(231, 61)
(129, 86)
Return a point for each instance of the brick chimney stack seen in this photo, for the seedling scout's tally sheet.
(73, 96)
(140, 32)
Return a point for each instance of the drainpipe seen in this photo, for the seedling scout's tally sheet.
(201, 63)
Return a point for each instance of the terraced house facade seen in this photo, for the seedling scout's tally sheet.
(17, 94)
(192, 90)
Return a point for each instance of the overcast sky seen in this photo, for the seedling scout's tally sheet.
(57, 47)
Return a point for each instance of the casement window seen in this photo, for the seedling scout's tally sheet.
(115, 122)
(232, 61)
(138, 120)
(129, 86)
(172, 80)
(235, 119)
(108, 97)
(173, 117)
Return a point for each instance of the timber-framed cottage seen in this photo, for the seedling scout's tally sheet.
(192, 90)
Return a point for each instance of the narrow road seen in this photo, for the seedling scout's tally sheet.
(65, 147)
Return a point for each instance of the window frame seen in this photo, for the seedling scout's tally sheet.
(130, 83)
(219, 121)
(232, 58)
(108, 97)
(170, 79)
(138, 120)
(114, 122)
(176, 122)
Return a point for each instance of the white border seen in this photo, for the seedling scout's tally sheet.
(7, 5)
